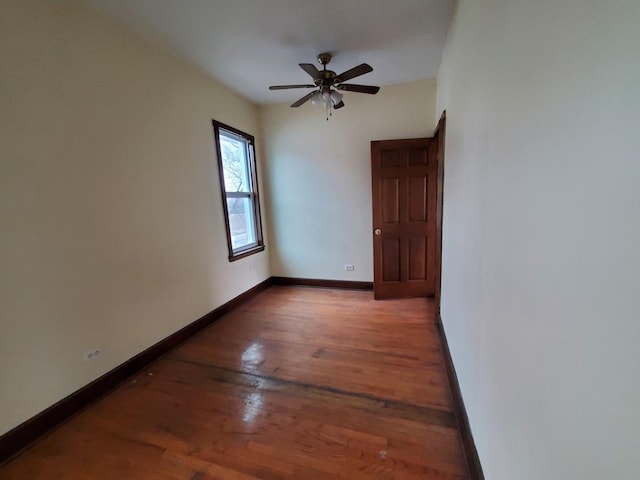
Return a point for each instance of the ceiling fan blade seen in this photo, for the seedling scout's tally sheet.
(304, 99)
(338, 105)
(285, 87)
(350, 87)
(311, 69)
(355, 72)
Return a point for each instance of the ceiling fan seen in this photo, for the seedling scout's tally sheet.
(329, 84)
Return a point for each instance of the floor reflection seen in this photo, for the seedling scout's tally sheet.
(252, 357)
(252, 407)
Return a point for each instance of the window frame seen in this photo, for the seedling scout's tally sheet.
(253, 195)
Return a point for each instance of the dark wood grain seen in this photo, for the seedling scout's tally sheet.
(303, 383)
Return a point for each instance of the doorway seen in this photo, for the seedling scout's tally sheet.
(407, 180)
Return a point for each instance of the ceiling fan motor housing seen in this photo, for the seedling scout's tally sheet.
(324, 58)
(327, 78)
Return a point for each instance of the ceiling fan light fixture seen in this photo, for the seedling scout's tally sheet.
(317, 99)
(336, 97)
(326, 98)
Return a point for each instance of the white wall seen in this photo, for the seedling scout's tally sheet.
(112, 226)
(541, 260)
(319, 177)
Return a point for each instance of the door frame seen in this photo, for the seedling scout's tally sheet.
(439, 135)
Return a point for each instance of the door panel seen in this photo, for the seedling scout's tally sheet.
(418, 192)
(418, 158)
(417, 258)
(389, 158)
(391, 204)
(391, 259)
(404, 199)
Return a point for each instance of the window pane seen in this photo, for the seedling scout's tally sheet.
(235, 164)
(241, 222)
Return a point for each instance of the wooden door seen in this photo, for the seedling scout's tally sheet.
(403, 174)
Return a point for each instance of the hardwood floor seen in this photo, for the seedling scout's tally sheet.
(300, 382)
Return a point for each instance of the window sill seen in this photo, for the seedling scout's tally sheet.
(246, 253)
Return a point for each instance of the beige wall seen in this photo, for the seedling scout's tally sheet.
(541, 256)
(319, 177)
(112, 226)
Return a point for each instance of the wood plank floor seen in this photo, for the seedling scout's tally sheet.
(302, 383)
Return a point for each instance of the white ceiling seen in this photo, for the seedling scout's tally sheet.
(251, 44)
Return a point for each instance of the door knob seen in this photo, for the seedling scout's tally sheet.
(377, 231)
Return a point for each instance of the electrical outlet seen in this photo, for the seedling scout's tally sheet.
(349, 268)
(92, 354)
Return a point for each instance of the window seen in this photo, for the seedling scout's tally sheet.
(239, 185)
